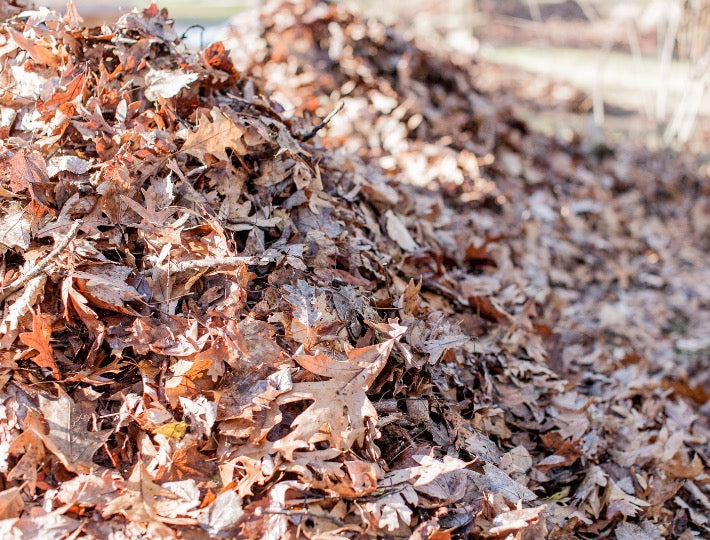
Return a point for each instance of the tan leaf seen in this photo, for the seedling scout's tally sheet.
(29, 446)
(15, 227)
(497, 481)
(214, 136)
(340, 405)
(166, 83)
(69, 437)
(398, 232)
(223, 515)
(9, 327)
(27, 170)
(91, 489)
(39, 53)
(188, 377)
(11, 503)
(510, 522)
(139, 502)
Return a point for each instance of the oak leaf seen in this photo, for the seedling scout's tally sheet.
(141, 500)
(69, 437)
(340, 405)
(311, 319)
(166, 83)
(38, 340)
(214, 136)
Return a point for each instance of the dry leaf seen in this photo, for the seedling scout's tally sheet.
(69, 437)
(38, 340)
(214, 137)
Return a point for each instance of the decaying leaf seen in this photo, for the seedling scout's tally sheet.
(15, 227)
(166, 83)
(214, 136)
(11, 503)
(340, 405)
(69, 437)
(414, 316)
(38, 341)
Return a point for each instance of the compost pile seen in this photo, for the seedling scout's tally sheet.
(217, 322)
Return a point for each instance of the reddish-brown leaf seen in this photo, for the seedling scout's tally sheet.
(38, 340)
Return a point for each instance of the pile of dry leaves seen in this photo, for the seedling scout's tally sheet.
(424, 321)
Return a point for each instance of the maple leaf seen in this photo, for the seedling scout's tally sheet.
(213, 137)
(38, 340)
(69, 438)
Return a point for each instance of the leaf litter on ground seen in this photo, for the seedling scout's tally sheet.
(425, 321)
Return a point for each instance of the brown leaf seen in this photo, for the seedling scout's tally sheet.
(39, 52)
(311, 319)
(139, 502)
(91, 489)
(71, 91)
(188, 377)
(11, 503)
(398, 232)
(38, 340)
(28, 170)
(214, 136)
(340, 405)
(69, 437)
(31, 449)
(105, 287)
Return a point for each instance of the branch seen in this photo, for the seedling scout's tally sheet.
(211, 262)
(37, 270)
(331, 114)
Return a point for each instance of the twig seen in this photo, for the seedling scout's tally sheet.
(331, 114)
(37, 270)
(306, 514)
(202, 33)
(210, 262)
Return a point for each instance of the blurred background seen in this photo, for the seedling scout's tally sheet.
(629, 68)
